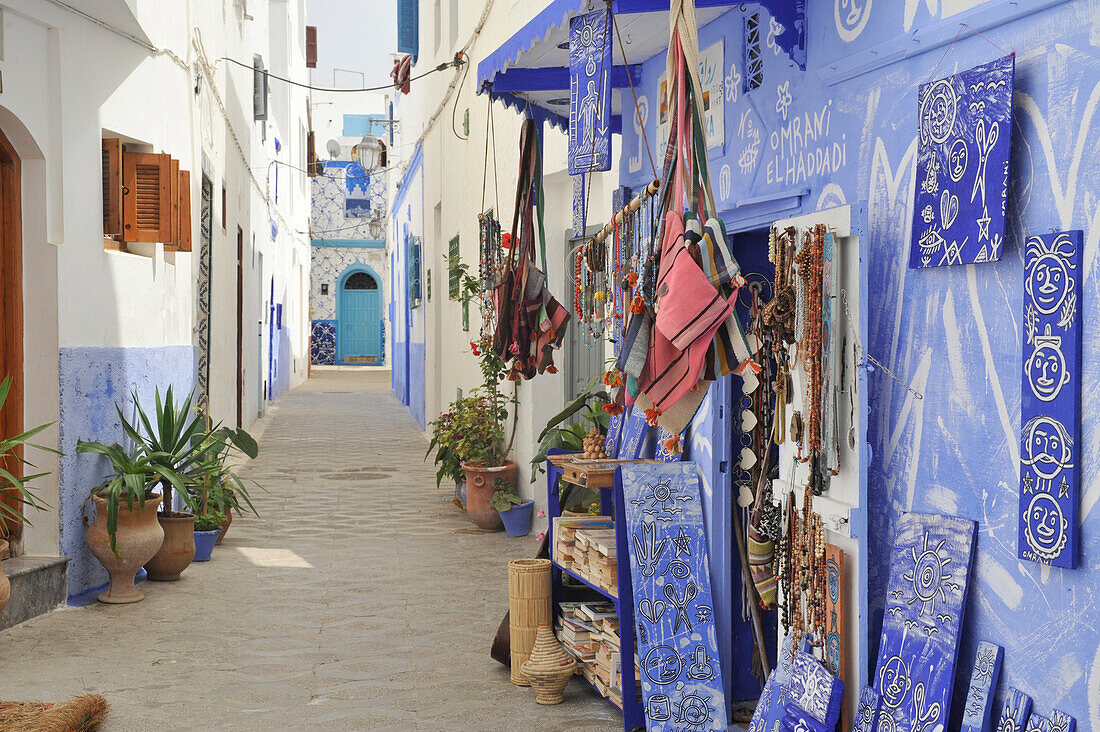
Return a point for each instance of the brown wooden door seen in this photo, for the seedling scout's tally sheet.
(11, 308)
(240, 327)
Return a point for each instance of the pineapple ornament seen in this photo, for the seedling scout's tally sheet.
(593, 445)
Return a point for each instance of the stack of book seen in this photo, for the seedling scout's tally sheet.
(594, 558)
(564, 535)
(590, 632)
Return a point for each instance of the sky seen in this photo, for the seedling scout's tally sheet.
(358, 35)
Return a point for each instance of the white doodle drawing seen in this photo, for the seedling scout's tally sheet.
(983, 224)
(949, 208)
(733, 83)
(681, 604)
(976, 107)
(652, 610)
(659, 708)
(894, 684)
(725, 179)
(649, 550)
(775, 29)
(811, 686)
(748, 131)
(1059, 721)
(938, 110)
(783, 99)
(929, 577)
(1050, 283)
(952, 253)
(694, 712)
(1046, 527)
(701, 668)
(957, 159)
(986, 140)
(851, 18)
(928, 214)
(1046, 367)
(682, 543)
(703, 614)
(924, 717)
(634, 164)
(1047, 449)
(662, 665)
(678, 568)
(931, 182)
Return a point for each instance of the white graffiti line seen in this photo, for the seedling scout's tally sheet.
(907, 167)
(1063, 195)
(1094, 691)
(991, 367)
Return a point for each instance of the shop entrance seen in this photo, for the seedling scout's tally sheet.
(582, 361)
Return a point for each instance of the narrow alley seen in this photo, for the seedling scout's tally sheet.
(361, 598)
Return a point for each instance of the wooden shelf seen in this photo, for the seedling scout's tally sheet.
(613, 597)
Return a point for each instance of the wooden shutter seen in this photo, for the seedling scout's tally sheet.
(185, 211)
(172, 240)
(147, 203)
(311, 46)
(112, 187)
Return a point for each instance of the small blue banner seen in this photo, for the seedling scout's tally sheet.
(590, 92)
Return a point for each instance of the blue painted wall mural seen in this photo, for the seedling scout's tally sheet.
(849, 133)
(91, 382)
(322, 343)
(590, 92)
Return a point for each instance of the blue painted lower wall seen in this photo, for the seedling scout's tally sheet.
(91, 382)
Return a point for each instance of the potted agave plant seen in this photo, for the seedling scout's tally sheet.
(14, 486)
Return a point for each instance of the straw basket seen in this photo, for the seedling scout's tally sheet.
(549, 668)
(528, 608)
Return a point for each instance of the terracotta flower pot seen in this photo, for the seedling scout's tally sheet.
(479, 491)
(5, 584)
(138, 538)
(178, 550)
(225, 524)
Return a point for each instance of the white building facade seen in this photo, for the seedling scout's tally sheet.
(206, 291)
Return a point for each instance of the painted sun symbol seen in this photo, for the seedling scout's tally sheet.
(929, 577)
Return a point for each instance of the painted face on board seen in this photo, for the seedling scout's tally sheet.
(1046, 447)
(957, 159)
(1048, 283)
(894, 682)
(1046, 368)
(1045, 527)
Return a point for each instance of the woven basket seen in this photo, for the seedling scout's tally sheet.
(549, 668)
(528, 608)
(81, 714)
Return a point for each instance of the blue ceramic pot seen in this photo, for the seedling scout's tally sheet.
(460, 493)
(204, 544)
(517, 519)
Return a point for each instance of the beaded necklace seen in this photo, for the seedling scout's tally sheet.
(490, 263)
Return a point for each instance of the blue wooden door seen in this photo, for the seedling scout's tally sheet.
(361, 320)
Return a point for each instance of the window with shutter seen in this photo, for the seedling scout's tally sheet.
(146, 203)
(454, 274)
(259, 88)
(311, 46)
(112, 187)
(408, 27)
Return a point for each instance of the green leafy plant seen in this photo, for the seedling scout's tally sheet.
(504, 496)
(587, 411)
(133, 475)
(16, 486)
(212, 485)
(210, 521)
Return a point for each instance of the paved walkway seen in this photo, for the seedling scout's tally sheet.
(360, 599)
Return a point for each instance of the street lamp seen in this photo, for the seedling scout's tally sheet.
(369, 153)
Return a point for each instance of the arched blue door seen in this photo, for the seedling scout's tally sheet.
(361, 319)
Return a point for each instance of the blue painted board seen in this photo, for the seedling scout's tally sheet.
(1062, 722)
(614, 429)
(867, 710)
(771, 707)
(965, 131)
(590, 92)
(1037, 723)
(983, 682)
(633, 436)
(815, 691)
(925, 603)
(1015, 712)
(670, 578)
(1050, 400)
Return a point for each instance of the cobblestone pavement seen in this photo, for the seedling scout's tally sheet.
(361, 599)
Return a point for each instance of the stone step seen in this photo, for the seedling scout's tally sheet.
(38, 585)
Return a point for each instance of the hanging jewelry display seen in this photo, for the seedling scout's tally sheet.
(490, 262)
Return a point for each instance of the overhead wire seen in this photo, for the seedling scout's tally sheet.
(441, 67)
